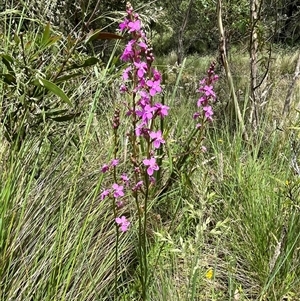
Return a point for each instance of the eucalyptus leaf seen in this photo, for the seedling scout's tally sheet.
(87, 63)
(53, 88)
(102, 35)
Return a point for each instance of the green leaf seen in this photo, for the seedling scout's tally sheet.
(7, 61)
(102, 35)
(46, 34)
(52, 41)
(8, 78)
(53, 88)
(66, 77)
(65, 117)
(55, 112)
(87, 63)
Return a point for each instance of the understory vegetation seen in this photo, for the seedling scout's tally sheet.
(126, 176)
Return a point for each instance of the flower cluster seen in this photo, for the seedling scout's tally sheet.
(207, 95)
(123, 222)
(143, 82)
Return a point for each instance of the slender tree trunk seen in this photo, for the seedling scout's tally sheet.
(254, 114)
(234, 101)
(181, 46)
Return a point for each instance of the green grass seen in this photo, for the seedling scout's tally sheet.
(228, 229)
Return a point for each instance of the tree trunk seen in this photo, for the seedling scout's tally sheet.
(254, 114)
(181, 46)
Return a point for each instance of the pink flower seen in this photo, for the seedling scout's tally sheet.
(144, 100)
(146, 113)
(201, 101)
(215, 78)
(208, 90)
(154, 87)
(126, 73)
(124, 178)
(128, 52)
(124, 24)
(118, 190)
(162, 110)
(104, 194)
(134, 26)
(156, 75)
(123, 88)
(151, 163)
(157, 138)
(137, 186)
(120, 204)
(196, 115)
(105, 168)
(142, 69)
(123, 222)
(208, 112)
(114, 162)
(143, 45)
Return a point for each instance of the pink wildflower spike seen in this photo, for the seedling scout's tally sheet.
(123, 88)
(152, 180)
(201, 101)
(215, 78)
(152, 165)
(209, 92)
(144, 100)
(143, 45)
(156, 75)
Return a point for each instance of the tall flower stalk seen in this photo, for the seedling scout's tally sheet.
(141, 84)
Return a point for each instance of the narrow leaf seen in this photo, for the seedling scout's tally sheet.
(46, 34)
(8, 78)
(65, 117)
(102, 35)
(66, 77)
(7, 61)
(87, 63)
(53, 88)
